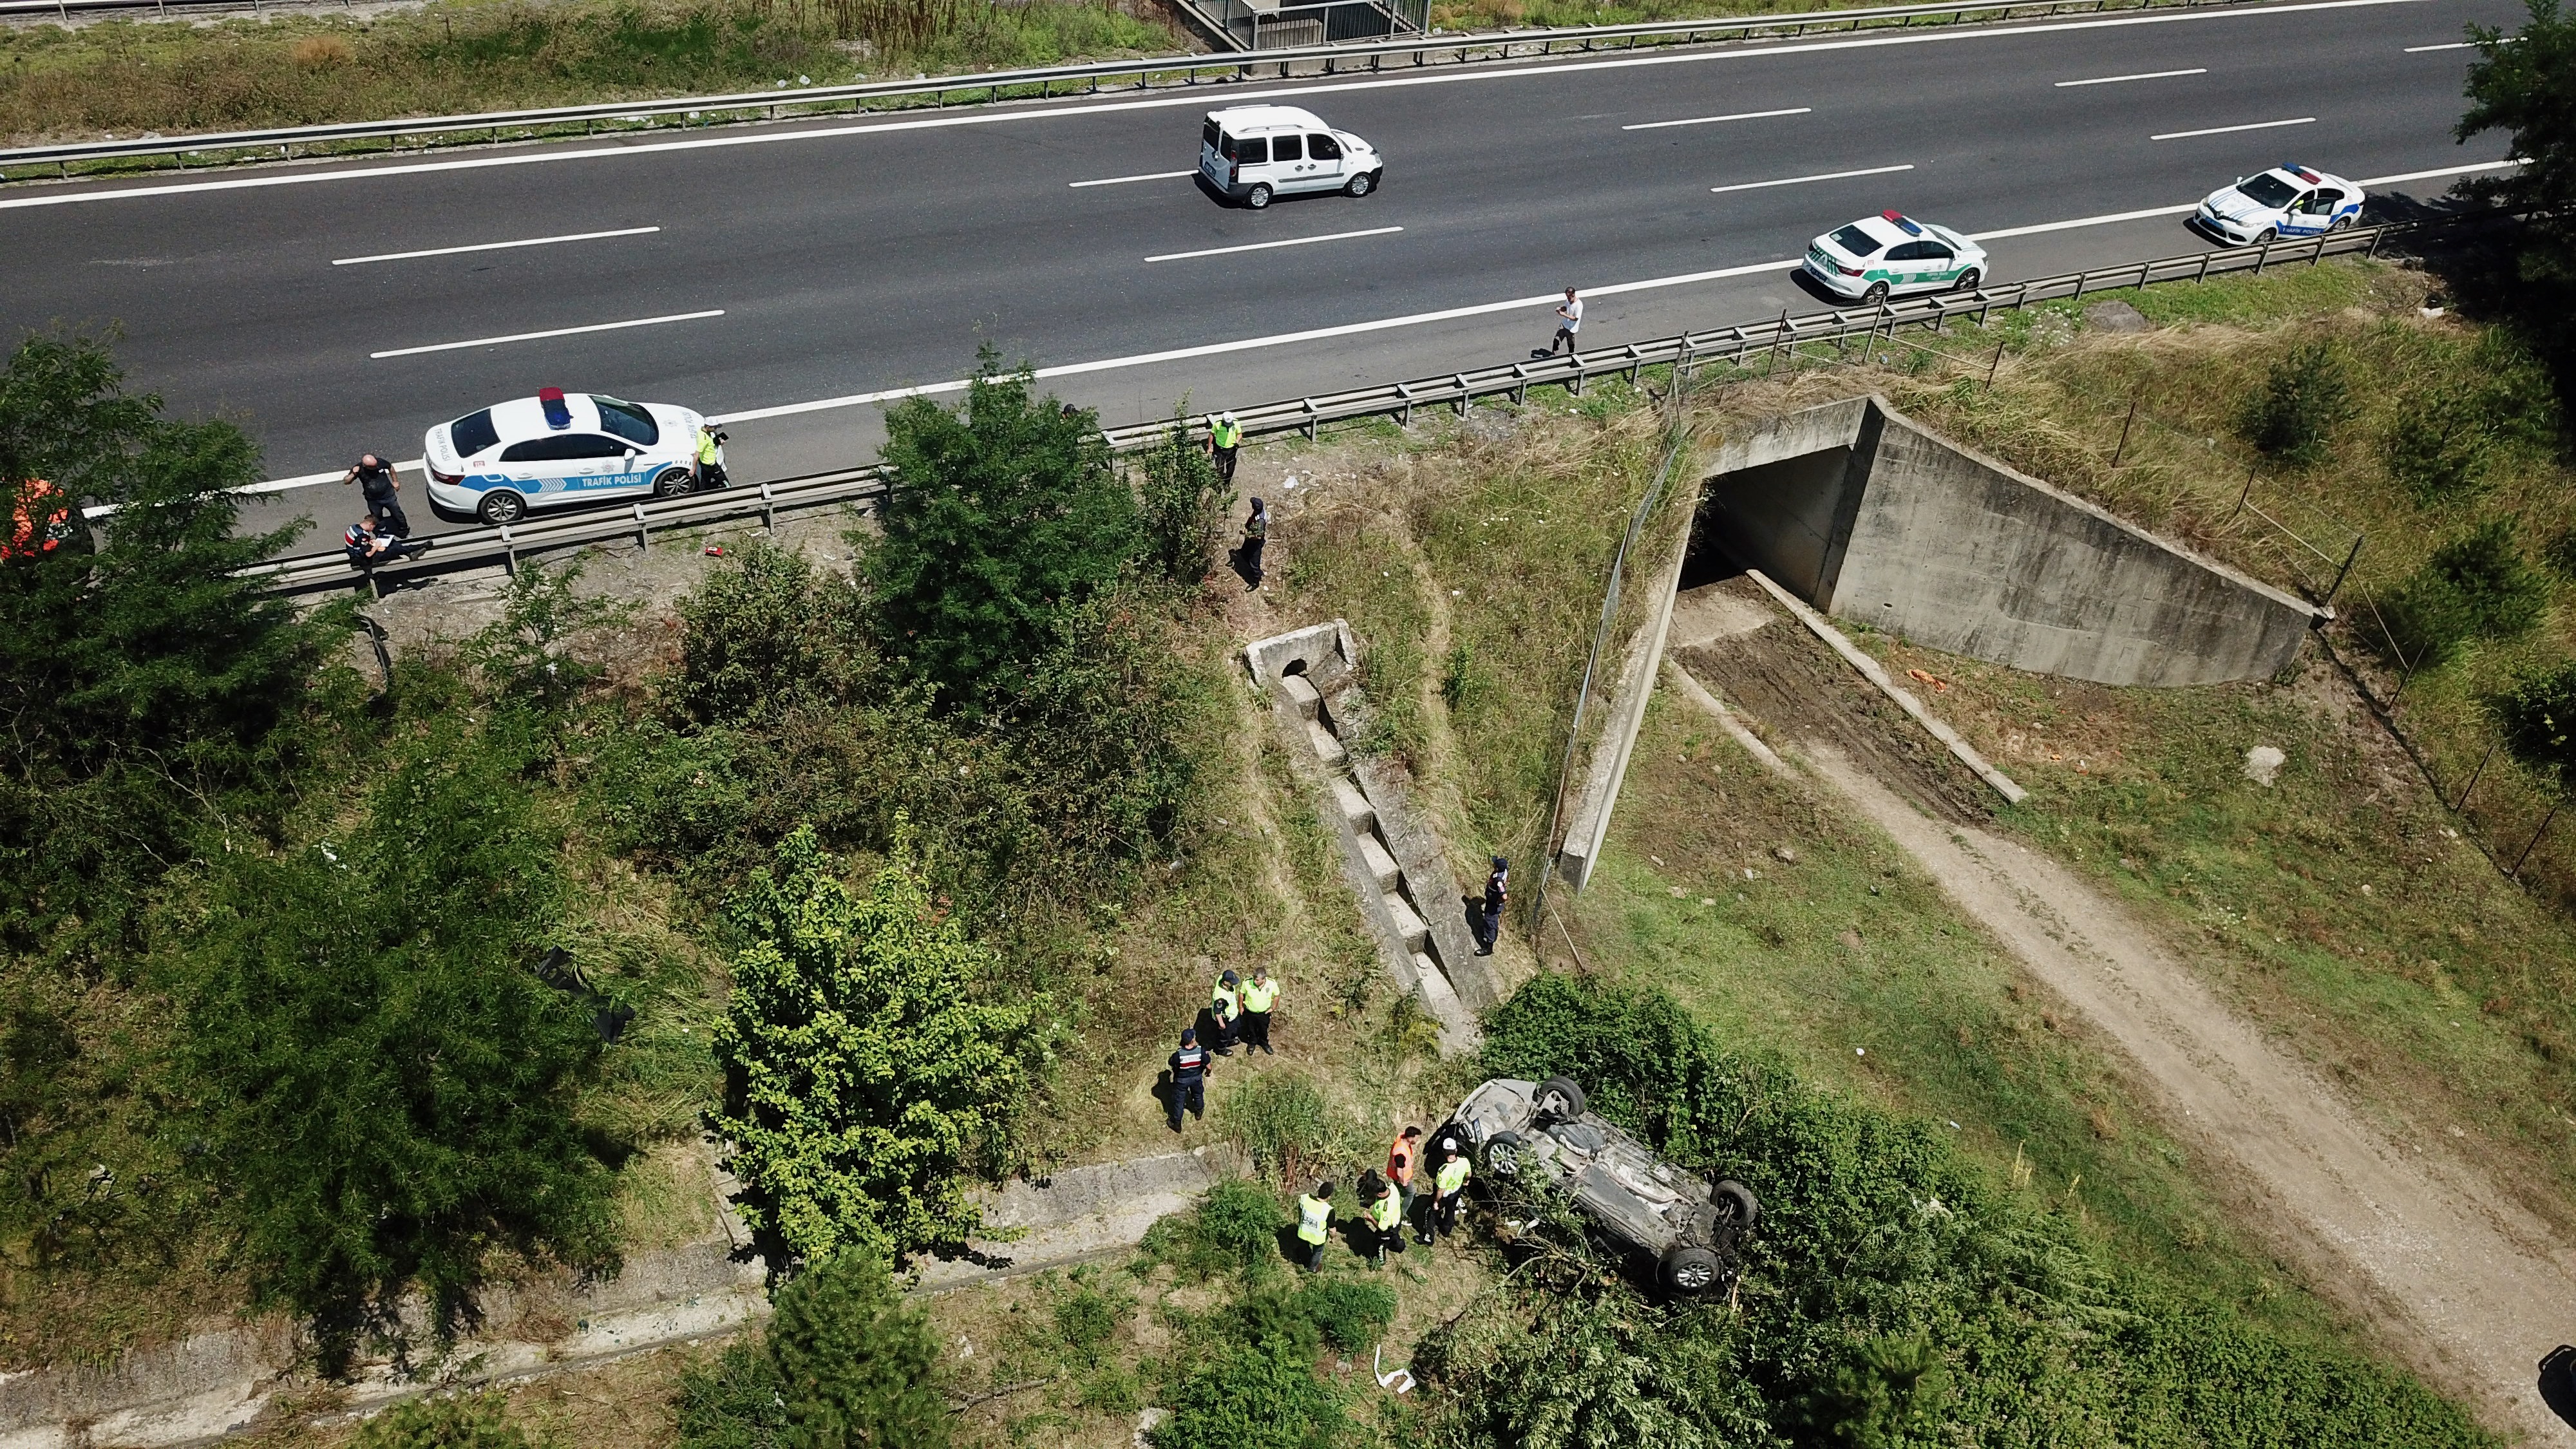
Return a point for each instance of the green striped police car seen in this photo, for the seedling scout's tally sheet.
(1879, 256)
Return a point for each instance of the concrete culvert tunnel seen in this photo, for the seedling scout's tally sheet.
(1872, 518)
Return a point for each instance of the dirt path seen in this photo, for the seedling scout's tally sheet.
(2459, 1279)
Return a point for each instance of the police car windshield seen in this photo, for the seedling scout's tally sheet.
(2268, 190)
(473, 433)
(627, 420)
(1857, 242)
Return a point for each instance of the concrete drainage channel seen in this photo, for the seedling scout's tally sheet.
(1395, 863)
(217, 1383)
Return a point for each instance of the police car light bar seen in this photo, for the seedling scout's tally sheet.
(552, 400)
(2301, 172)
(1902, 223)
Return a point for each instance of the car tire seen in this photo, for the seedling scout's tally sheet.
(1969, 280)
(674, 483)
(2339, 223)
(1558, 1099)
(1503, 1155)
(1257, 198)
(1733, 1207)
(1876, 296)
(2265, 237)
(1361, 185)
(501, 506)
(1688, 1268)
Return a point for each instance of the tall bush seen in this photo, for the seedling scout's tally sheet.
(2477, 586)
(459, 1421)
(997, 518)
(2537, 717)
(854, 1364)
(1183, 507)
(2292, 418)
(2436, 447)
(2521, 84)
(866, 1076)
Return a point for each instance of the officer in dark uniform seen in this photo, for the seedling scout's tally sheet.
(1490, 926)
(1189, 1077)
(375, 479)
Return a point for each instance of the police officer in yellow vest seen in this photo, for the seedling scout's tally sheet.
(711, 470)
(1385, 1216)
(1225, 436)
(1315, 1223)
(1259, 995)
(1225, 1009)
(1449, 1190)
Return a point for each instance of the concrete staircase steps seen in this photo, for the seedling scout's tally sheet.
(1381, 865)
(1328, 748)
(1302, 695)
(1439, 999)
(1354, 806)
(1408, 924)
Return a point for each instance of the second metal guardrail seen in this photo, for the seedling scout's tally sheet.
(1734, 346)
(227, 147)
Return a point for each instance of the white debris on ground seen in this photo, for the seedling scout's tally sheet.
(2263, 763)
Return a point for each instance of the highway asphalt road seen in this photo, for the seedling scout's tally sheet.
(811, 262)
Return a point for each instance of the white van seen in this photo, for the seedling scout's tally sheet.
(1252, 153)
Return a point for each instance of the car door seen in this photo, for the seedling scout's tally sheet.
(531, 467)
(1903, 265)
(1288, 159)
(1324, 162)
(594, 463)
(2300, 217)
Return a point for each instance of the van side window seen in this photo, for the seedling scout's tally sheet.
(1323, 148)
(1284, 148)
(1247, 150)
(1209, 135)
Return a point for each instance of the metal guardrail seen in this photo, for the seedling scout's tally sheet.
(229, 147)
(1735, 346)
(63, 9)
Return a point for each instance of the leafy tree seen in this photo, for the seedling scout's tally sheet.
(853, 1363)
(525, 654)
(387, 1086)
(2538, 718)
(2303, 400)
(866, 1077)
(1183, 507)
(2525, 84)
(2477, 586)
(464, 1421)
(142, 684)
(996, 518)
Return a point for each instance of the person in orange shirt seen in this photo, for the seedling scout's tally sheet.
(43, 519)
(1402, 1156)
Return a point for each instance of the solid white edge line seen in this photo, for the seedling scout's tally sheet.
(1294, 241)
(2459, 45)
(534, 241)
(1507, 73)
(1712, 120)
(2230, 130)
(2107, 80)
(1251, 344)
(1821, 176)
(551, 332)
(1123, 180)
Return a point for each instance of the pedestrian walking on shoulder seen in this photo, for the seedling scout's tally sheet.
(1449, 1188)
(1385, 1209)
(376, 481)
(1569, 321)
(1256, 534)
(1259, 995)
(1489, 927)
(1189, 1078)
(1225, 1008)
(1225, 438)
(1315, 1224)
(1402, 1156)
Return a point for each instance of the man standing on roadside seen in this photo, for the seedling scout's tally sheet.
(1225, 438)
(1569, 321)
(375, 479)
(1402, 1155)
(1259, 995)
(1225, 1007)
(1489, 926)
(1449, 1189)
(1189, 1077)
(1256, 535)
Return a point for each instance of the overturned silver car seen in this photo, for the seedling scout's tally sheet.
(1691, 1225)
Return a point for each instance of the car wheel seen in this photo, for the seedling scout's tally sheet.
(2266, 236)
(1362, 184)
(1257, 198)
(1876, 296)
(2339, 223)
(1689, 1268)
(1970, 279)
(1503, 1155)
(1733, 1206)
(1558, 1099)
(501, 506)
(674, 483)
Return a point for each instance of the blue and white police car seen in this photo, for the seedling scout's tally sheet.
(1878, 256)
(558, 448)
(2286, 201)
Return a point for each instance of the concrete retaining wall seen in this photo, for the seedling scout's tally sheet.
(1593, 804)
(1872, 518)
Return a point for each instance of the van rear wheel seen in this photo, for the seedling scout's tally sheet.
(1361, 185)
(1257, 198)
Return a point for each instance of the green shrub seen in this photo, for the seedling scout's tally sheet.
(526, 654)
(2436, 447)
(1283, 1122)
(734, 1402)
(1183, 507)
(765, 635)
(2305, 397)
(1350, 1313)
(388, 1088)
(464, 1421)
(2537, 718)
(854, 1362)
(1257, 1395)
(868, 1074)
(1884, 1391)
(1237, 1226)
(2478, 586)
(2559, 555)
(1595, 1372)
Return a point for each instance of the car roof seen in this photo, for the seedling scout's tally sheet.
(1877, 228)
(1259, 118)
(2297, 175)
(524, 417)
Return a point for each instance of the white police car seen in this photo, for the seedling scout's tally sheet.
(2286, 201)
(1878, 256)
(557, 448)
